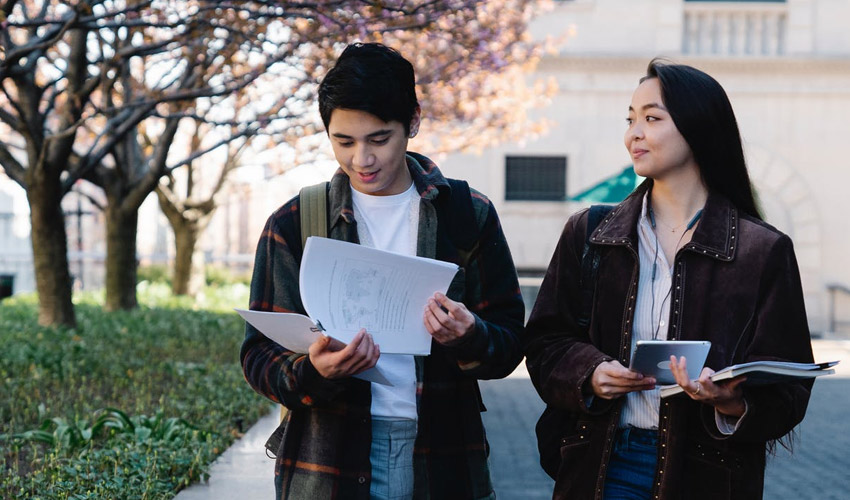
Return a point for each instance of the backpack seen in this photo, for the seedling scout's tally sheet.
(552, 423)
(456, 211)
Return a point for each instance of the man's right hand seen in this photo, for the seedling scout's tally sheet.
(333, 359)
(611, 380)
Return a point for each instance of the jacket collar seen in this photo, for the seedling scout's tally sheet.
(715, 236)
(427, 178)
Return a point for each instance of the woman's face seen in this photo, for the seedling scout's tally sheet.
(654, 143)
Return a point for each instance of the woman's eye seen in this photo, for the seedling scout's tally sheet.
(630, 120)
(651, 118)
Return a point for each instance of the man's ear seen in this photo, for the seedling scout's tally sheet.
(414, 122)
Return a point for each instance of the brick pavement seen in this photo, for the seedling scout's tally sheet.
(818, 469)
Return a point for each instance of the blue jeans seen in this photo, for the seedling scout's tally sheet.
(631, 469)
(392, 459)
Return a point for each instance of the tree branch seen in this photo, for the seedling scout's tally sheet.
(10, 120)
(245, 133)
(12, 167)
(49, 39)
(97, 204)
(132, 121)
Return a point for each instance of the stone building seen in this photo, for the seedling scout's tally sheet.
(785, 65)
(786, 68)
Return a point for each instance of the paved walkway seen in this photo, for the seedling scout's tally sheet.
(818, 469)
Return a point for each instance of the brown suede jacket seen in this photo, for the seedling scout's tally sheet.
(736, 284)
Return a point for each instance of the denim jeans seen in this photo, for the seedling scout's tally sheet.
(392, 459)
(631, 469)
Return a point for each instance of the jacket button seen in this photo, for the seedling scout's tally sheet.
(361, 479)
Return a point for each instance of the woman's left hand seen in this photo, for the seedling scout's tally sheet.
(726, 397)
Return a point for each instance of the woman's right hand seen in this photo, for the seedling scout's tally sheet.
(333, 359)
(611, 380)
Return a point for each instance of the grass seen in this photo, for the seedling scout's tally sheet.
(129, 405)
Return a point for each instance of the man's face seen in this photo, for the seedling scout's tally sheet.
(371, 151)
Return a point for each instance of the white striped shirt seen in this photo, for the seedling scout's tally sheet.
(652, 312)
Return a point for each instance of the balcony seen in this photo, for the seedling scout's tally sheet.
(740, 29)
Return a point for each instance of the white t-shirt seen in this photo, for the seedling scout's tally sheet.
(391, 223)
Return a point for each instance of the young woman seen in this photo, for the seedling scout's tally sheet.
(686, 256)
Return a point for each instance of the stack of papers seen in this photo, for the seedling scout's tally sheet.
(346, 287)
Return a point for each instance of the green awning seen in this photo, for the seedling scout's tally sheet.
(614, 189)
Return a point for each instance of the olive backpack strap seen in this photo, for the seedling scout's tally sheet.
(313, 209)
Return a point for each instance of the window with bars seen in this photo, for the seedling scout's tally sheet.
(536, 178)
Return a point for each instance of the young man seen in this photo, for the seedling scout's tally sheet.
(423, 437)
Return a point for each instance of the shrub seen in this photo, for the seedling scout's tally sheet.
(130, 404)
(154, 273)
(223, 276)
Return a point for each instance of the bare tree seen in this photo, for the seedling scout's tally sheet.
(190, 214)
(78, 79)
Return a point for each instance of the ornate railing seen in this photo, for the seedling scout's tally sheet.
(749, 29)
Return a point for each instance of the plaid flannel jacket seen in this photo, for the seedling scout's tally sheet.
(326, 441)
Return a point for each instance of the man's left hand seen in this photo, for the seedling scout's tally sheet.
(446, 320)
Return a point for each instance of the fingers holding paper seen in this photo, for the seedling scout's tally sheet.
(727, 397)
(333, 359)
(446, 320)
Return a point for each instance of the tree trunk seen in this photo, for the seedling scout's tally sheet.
(50, 254)
(188, 224)
(121, 264)
(188, 259)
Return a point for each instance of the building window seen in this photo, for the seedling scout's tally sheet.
(536, 178)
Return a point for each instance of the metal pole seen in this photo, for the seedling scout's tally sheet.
(80, 240)
(832, 293)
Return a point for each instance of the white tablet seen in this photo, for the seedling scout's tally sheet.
(652, 358)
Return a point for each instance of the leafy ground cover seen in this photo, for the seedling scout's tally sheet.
(128, 405)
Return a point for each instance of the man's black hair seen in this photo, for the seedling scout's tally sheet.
(370, 77)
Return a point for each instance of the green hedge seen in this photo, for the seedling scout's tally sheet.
(129, 404)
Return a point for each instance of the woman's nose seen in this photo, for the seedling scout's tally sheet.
(635, 132)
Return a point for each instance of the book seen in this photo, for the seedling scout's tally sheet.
(763, 373)
(345, 287)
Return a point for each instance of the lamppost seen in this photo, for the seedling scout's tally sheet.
(79, 213)
(6, 280)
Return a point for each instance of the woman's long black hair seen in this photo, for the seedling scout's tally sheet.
(703, 114)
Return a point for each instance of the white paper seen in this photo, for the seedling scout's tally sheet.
(346, 287)
(296, 332)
